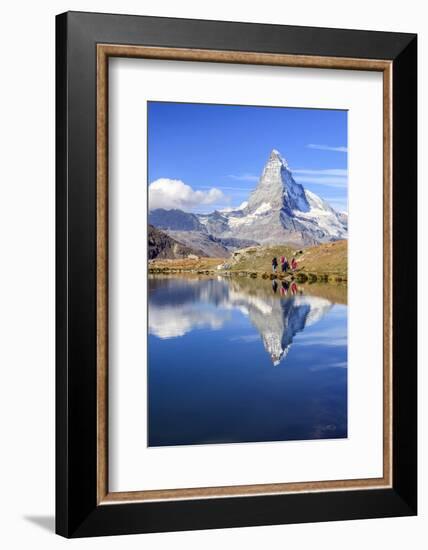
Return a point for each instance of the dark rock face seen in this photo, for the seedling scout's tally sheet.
(162, 246)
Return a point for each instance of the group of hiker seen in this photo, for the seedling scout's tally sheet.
(285, 265)
(285, 287)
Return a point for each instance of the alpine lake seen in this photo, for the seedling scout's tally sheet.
(239, 360)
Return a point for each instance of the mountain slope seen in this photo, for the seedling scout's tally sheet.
(323, 258)
(162, 246)
(203, 241)
(195, 232)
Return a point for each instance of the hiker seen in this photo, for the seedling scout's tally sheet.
(284, 288)
(274, 286)
(293, 288)
(293, 264)
(274, 264)
(284, 264)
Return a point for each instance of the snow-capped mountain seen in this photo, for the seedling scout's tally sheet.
(278, 211)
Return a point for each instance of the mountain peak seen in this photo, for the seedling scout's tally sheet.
(275, 155)
(277, 188)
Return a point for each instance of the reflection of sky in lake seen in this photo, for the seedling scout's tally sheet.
(233, 363)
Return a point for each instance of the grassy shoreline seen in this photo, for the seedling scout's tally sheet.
(324, 263)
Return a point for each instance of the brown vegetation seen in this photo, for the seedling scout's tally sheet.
(323, 263)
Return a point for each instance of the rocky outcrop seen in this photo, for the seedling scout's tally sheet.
(162, 246)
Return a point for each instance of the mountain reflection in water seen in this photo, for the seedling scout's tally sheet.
(211, 347)
(178, 306)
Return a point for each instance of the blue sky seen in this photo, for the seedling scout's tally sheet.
(217, 152)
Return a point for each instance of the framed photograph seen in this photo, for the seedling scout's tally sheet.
(236, 274)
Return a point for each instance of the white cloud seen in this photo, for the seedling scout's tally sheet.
(243, 177)
(323, 180)
(167, 193)
(340, 364)
(172, 322)
(322, 172)
(232, 188)
(247, 338)
(331, 177)
(340, 149)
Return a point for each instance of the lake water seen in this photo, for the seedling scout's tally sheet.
(240, 360)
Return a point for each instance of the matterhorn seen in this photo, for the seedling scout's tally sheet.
(278, 211)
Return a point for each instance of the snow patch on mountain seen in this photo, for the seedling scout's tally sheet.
(236, 221)
(234, 208)
(323, 215)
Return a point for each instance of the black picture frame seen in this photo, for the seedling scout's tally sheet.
(77, 511)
